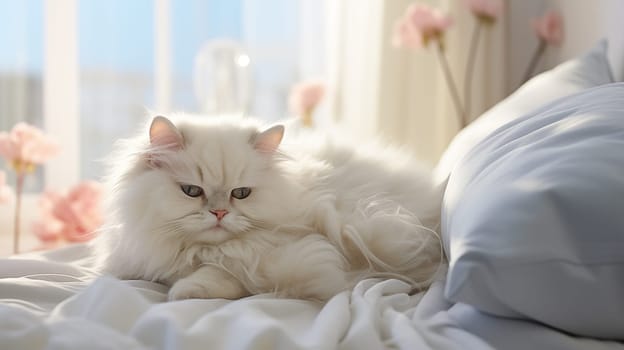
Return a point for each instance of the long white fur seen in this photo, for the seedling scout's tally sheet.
(323, 213)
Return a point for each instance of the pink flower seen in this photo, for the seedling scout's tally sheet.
(26, 146)
(549, 28)
(419, 25)
(305, 96)
(5, 191)
(486, 10)
(71, 217)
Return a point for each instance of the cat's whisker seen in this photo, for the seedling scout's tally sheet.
(258, 224)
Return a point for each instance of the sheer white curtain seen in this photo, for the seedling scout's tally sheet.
(60, 90)
(401, 94)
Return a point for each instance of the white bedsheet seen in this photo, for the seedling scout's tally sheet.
(52, 301)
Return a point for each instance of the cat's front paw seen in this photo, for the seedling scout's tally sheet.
(187, 290)
(195, 287)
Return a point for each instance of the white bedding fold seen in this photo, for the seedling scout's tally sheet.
(128, 314)
(49, 301)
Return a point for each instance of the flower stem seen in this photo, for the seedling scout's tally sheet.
(19, 186)
(539, 51)
(306, 118)
(472, 55)
(451, 84)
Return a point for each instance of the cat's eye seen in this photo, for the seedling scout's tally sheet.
(192, 190)
(241, 192)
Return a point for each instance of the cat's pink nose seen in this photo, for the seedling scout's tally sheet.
(219, 213)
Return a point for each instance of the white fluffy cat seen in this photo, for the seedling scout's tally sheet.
(219, 208)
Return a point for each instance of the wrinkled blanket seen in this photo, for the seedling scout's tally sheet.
(54, 301)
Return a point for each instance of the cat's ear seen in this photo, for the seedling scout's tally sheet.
(268, 140)
(164, 134)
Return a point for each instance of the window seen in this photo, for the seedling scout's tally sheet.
(21, 64)
(116, 69)
(130, 57)
(267, 31)
(193, 24)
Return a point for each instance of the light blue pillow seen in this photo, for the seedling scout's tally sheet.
(533, 217)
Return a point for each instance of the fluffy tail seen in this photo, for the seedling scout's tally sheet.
(382, 239)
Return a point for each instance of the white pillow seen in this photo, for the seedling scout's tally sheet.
(535, 214)
(591, 69)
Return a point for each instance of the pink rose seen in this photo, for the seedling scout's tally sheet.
(487, 10)
(26, 146)
(305, 96)
(5, 191)
(419, 25)
(549, 28)
(71, 217)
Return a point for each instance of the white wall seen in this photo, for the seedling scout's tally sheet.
(615, 29)
(585, 22)
(588, 21)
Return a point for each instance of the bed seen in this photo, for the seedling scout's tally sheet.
(53, 301)
(531, 224)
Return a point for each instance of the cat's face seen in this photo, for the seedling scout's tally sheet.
(207, 183)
